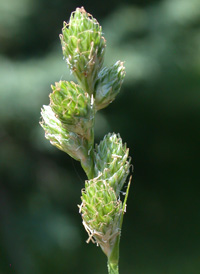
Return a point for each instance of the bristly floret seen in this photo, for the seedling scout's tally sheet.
(101, 212)
(69, 142)
(83, 47)
(72, 106)
(108, 84)
(112, 161)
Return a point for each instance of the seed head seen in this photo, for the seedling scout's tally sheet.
(101, 213)
(108, 84)
(69, 142)
(72, 106)
(112, 161)
(83, 47)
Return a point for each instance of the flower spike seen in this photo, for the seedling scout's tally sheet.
(69, 120)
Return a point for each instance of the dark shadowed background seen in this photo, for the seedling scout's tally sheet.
(157, 113)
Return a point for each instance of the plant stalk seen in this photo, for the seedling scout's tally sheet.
(113, 268)
(88, 164)
(113, 259)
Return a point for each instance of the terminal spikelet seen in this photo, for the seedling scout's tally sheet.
(83, 47)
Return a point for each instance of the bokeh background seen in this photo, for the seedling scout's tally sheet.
(157, 113)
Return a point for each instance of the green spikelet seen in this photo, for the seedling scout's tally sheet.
(73, 108)
(69, 142)
(108, 84)
(83, 47)
(101, 212)
(112, 161)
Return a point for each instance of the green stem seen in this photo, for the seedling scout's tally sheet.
(113, 259)
(112, 268)
(88, 164)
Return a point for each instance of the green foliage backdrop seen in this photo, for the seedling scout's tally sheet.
(157, 113)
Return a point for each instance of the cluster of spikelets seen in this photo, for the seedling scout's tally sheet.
(101, 208)
(68, 122)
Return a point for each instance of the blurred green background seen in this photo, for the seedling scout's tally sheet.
(157, 114)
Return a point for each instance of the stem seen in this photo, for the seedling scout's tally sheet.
(112, 268)
(113, 259)
(88, 164)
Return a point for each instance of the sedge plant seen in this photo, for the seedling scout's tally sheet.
(69, 120)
